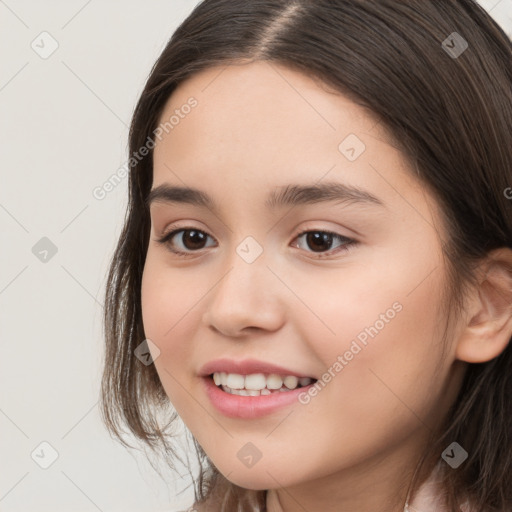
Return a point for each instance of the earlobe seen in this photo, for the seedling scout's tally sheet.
(489, 327)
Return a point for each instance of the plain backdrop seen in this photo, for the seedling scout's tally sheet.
(71, 73)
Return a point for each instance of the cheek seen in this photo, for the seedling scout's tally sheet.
(169, 297)
(389, 307)
(375, 392)
(170, 315)
(380, 342)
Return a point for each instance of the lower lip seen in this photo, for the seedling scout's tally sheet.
(247, 407)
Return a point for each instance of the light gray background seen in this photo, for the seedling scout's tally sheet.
(63, 130)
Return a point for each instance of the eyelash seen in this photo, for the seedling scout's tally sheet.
(348, 242)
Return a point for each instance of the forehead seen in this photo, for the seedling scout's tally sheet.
(262, 107)
(269, 102)
(261, 125)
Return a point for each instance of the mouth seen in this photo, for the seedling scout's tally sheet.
(258, 384)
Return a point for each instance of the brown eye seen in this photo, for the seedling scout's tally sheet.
(191, 240)
(319, 241)
(322, 241)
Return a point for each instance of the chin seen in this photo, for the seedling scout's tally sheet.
(258, 478)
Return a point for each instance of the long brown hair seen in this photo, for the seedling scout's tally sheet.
(451, 114)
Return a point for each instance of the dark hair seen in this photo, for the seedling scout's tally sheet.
(451, 116)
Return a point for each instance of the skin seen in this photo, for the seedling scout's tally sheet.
(355, 445)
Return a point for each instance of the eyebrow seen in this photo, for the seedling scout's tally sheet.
(289, 195)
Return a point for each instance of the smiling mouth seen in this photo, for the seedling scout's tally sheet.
(258, 384)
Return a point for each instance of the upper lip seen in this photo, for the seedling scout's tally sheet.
(246, 367)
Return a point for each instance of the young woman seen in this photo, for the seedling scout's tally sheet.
(316, 264)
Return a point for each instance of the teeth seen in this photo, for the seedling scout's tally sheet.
(251, 392)
(255, 381)
(274, 381)
(235, 381)
(257, 384)
(291, 382)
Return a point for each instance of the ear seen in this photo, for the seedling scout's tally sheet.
(489, 327)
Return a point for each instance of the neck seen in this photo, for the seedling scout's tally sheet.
(381, 484)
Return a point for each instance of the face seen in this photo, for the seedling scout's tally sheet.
(341, 286)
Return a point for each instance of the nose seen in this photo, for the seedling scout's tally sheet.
(247, 296)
